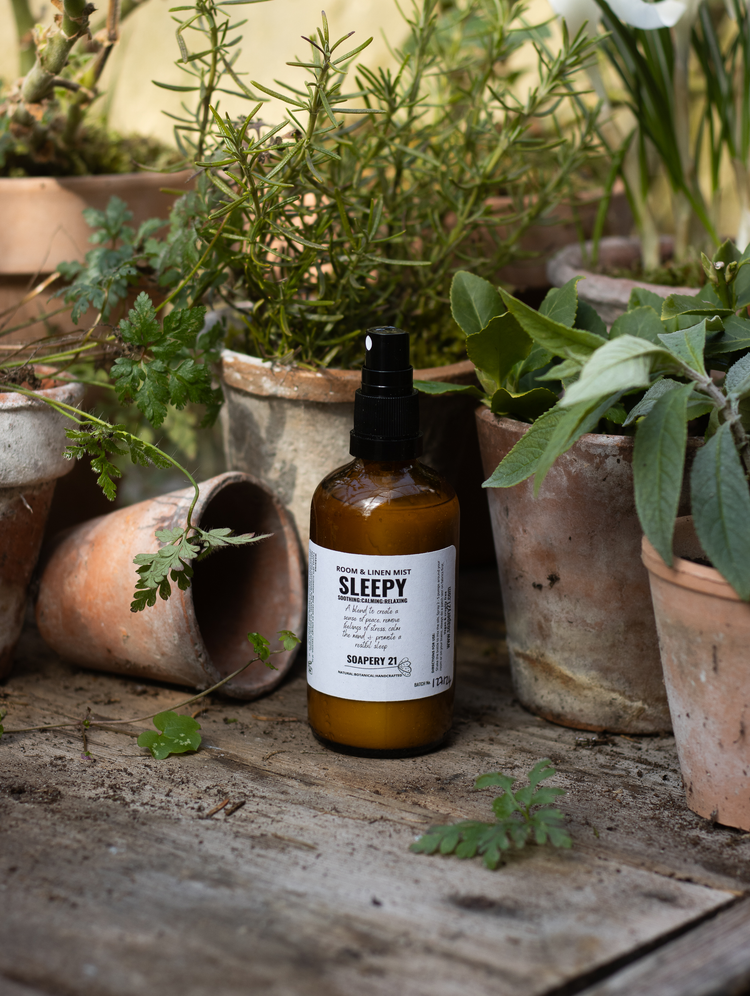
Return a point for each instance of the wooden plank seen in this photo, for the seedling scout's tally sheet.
(711, 960)
(111, 870)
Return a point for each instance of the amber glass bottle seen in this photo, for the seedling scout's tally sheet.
(383, 547)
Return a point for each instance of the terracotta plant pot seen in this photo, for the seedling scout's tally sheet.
(581, 632)
(562, 227)
(704, 635)
(198, 636)
(609, 296)
(291, 428)
(43, 226)
(32, 441)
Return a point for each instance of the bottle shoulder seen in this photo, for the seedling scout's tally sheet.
(372, 484)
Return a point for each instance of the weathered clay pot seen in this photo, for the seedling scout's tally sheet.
(198, 636)
(291, 428)
(609, 296)
(43, 226)
(562, 226)
(704, 635)
(32, 441)
(581, 632)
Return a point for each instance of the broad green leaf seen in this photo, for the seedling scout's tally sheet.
(537, 358)
(561, 303)
(527, 406)
(578, 420)
(442, 387)
(643, 323)
(620, 365)
(736, 337)
(697, 405)
(474, 302)
(521, 461)
(588, 319)
(737, 380)
(721, 509)
(569, 343)
(566, 371)
(688, 345)
(179, 734)
(498, 347)
(658, 466)
(641, 297)
(684, 304)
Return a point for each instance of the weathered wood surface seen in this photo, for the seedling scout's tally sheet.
(711, 960)
(113, 881)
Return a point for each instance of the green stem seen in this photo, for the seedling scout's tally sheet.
(53, 50)
(24, 27)
(142, 719)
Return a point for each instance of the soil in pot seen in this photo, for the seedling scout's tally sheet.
(608, 295)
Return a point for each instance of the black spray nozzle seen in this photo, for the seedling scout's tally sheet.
(386, 408)
(386, 370)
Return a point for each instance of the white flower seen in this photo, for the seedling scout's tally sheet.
(636, 13)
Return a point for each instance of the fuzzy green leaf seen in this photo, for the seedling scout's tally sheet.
(737, 380)
(561, 303)
(697, 405)
(641, 297)
(735, 338)
(569, 343)
(474, 302)
(721, 509)
(498, 347)
(588, 319)
(643, 323)
(522, 460)
(622, 364)
(688, 345)
(684, 304)
(658, 465)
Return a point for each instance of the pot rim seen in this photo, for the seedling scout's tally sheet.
(12, 184)
(65, 391)
(253, 375)
(568, 262)
(685, 573)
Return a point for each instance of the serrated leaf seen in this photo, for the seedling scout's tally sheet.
(260, 645)
(569, 343)
(721, 508)
(658, 466)
(688, 345)
(542, 769)
(620, 365)
(561, 303)
(497, 347)
(495, 778)
(288, 639)
(736, 337)
(643, 323)
(141, 326)
(474, 302)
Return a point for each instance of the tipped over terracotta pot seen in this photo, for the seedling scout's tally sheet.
(704, 637)
(198, 636)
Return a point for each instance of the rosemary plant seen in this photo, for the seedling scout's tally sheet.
(359, 205)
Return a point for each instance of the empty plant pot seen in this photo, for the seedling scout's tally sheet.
(581, 632)
(704, 635)
(32, 442)
(198, 636)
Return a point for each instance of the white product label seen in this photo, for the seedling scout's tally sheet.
(381, 629)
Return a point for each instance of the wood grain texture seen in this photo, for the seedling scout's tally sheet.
(711, 960)
(113, 881)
